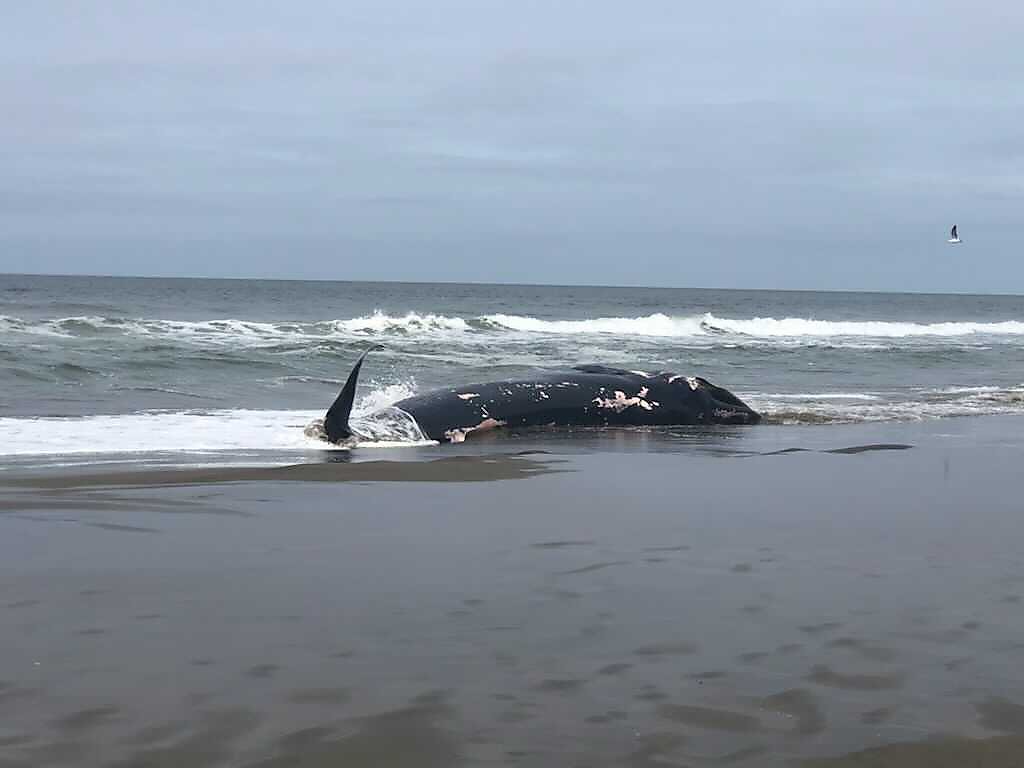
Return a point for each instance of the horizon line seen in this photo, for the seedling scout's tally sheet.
(502, 283)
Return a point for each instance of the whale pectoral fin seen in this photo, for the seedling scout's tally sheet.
(336, 421)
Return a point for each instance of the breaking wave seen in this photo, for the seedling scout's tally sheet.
(795, 327)
(411, 322)
(659, 324)
(234, 332)
(251, 333)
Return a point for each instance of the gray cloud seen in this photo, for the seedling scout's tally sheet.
(794, 144)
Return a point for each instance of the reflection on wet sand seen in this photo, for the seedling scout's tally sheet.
(451, 469)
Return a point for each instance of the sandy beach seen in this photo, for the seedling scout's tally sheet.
(750, 597)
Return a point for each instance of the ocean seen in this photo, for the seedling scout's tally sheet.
(145, 369)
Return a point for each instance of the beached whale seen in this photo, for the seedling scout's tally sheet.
(586, 395)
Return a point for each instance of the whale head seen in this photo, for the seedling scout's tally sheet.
(718, 405)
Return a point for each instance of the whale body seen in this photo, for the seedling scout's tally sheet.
(584, 395)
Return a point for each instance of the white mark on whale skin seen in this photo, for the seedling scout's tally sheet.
(691, 380)
(645, 374)
(459, 435)
(620, 402)
(467, 395)
(543, 395)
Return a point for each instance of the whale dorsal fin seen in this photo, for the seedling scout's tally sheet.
(336, 421)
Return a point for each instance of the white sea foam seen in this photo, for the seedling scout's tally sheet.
(236, 332)
(725, 330)
(815, 396)
(916, 406)
(659, 324)
(200, 431)
(183, 431)
(411, 322)
(791, 327)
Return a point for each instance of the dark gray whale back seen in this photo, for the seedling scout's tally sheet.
(586, 395)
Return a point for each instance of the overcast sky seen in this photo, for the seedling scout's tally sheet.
(788, 144)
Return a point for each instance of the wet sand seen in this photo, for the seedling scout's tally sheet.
(451, 469)
(829, 596)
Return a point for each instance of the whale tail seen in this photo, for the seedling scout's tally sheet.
(336, 421)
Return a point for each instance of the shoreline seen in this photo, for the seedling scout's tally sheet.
(488, 456)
